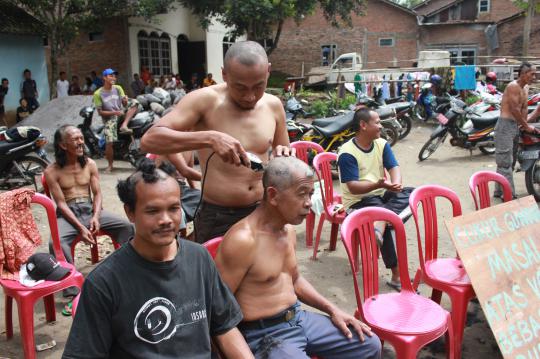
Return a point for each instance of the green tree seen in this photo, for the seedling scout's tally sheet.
(62, 20)
(264, 19)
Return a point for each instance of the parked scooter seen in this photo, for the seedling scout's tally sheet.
(18, 167)
(480, 132)
(529, 160)
(128, 146)
(294, 108)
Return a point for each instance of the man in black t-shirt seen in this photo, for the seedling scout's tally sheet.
(4, 87)
(156, 296)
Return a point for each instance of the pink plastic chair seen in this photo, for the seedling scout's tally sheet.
(26, 296)
(442, 274)
(94, 253)
(405, 319)
(213, 245)
(303, 148)
(323, 168)
(480, 182)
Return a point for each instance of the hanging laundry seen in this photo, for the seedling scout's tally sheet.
(385, 89)
(465, 78)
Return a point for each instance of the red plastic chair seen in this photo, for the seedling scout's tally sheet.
(405, 319)
(302, 152)
(442, 274)
(94, 253)
(26, 296)
(213, 245)
(323, 168)
(480, 182)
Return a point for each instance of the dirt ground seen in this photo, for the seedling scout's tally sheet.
(330, 274)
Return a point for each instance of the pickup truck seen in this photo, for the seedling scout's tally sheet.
(344, 67)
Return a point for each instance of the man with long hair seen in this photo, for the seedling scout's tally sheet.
(73, 181)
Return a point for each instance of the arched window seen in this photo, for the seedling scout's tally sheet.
(227, 42)
(155, 52)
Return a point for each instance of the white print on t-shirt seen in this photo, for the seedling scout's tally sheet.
(158, 319)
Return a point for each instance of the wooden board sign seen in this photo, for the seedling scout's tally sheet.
(500, 249)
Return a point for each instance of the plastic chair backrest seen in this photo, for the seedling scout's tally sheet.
(479, 181)
(427, 195)
(302, 148)
(48, 204)
(213, 245)
(358, 231)
(323, 168)
(45, 185)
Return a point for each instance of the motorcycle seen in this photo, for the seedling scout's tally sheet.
(529, 160)
(294, 108)
(428, 106)
(128, 146)
(479, 132)
(18, 167)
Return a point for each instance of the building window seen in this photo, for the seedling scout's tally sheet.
(155, 52)
(386, 42)
(329, 54)
(483, 5)
(228, 41)
(462, 56)
(95, 36)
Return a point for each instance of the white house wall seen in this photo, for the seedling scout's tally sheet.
(180, 22)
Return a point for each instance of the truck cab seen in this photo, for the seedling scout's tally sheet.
(344, 68)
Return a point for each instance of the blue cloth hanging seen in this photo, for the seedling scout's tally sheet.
(465, 78)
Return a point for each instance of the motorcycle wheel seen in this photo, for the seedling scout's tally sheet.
(487, 150)
(430, 147)
(406, 125)
(419, 112)
(532, 180)
(32, 168)
(390, 134)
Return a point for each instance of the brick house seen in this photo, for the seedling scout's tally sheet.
(387, 35)
(511, 35)
(460, 26)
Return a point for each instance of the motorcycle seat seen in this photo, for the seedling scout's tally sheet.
(385, 112)
(485, 120)
(399, 106)
(5, 146)
(326, 121)
(338, 124)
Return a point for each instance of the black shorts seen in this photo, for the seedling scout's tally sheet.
(213, 221)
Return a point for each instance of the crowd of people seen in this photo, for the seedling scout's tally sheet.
(249, 301)
(160, 294)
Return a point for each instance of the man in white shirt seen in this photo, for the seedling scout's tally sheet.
(62, 85)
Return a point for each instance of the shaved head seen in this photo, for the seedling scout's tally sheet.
(247, 53)
(281, 173)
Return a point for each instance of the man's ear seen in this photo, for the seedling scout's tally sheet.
(62, 144)
(271, 194)
(269, 67)
(129, 213)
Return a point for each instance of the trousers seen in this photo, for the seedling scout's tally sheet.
(506, 146)
(308, 334)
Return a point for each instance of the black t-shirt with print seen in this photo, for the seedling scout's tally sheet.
(133, 308)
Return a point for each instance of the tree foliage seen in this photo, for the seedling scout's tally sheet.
(264, 19)
(62, 20)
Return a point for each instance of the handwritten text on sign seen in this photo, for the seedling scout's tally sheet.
(500, 249)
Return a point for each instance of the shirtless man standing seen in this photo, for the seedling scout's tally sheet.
(227, 120)
(513, 117)
(73, 181)
(257, 261)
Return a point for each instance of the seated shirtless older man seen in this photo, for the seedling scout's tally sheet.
(73, 181)
(257, 261)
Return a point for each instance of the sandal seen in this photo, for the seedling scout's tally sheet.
(68, 309)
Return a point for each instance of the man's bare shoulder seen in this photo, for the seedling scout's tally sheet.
(513, 87)
(52, 171)
(205, 95)
(273, 101)
(241, 234)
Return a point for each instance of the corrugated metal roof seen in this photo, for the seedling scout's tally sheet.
(432, 6)
(14, 20)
